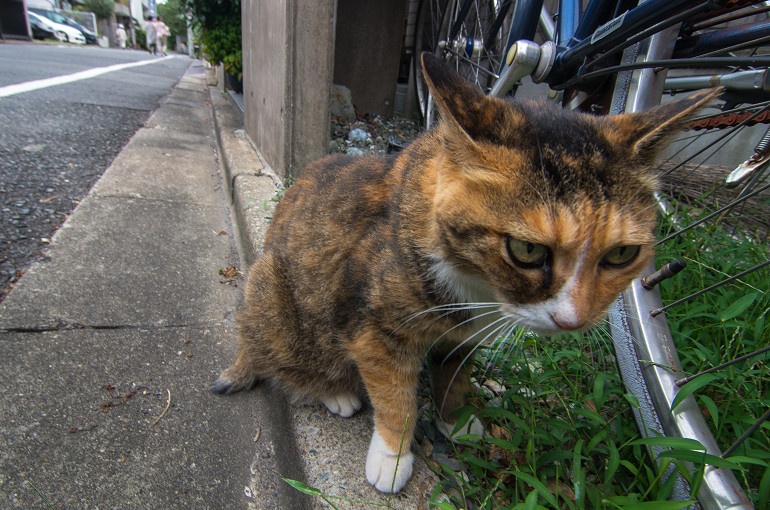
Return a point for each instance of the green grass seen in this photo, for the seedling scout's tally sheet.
(560, 435)
(721, 325)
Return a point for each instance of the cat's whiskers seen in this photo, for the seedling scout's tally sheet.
(537, 191)
(607, 327)
(502, 342)
(502, 327)
(437, 340)
(600, 333)
(630, 203)
(503, 319)
(434, 321)
(449, 309)
(549, 204)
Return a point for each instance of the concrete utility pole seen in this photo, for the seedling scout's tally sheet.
(294, 50)
(288, 60)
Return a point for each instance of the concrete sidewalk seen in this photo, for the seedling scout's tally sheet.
(108, 345)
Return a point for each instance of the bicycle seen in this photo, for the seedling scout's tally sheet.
(621, 47)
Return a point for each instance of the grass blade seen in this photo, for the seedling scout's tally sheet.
(693, 386)
(701, 458)
(738, 307)
(670, 442)
(538, 485)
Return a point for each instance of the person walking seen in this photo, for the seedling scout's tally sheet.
(161, 33)
(150, 29)
(121, 36)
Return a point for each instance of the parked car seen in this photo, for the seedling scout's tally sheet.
(41, 30)
(58, 17)
(62, 32)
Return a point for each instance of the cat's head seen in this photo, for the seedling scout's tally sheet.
(549, 211)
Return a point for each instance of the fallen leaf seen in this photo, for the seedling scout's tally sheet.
(229, 272)
(562, 489)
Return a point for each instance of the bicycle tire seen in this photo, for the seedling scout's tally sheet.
(465, 33)
(644, 346)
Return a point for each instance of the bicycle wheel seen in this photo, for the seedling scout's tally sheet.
(468, 35)
(645, 345)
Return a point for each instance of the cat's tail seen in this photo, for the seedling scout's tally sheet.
(236, 378)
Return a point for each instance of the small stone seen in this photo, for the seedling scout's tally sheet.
(447, 461)
(341, 103)
(358, 135)
(355, 151)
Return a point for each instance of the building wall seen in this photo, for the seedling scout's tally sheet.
(368, 42)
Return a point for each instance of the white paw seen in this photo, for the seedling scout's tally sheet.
(381, 469)
(343, 404)
(473, 427)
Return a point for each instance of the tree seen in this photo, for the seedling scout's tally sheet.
(219, 25)
(102, 9)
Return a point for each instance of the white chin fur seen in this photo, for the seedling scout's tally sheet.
(381, 469)
(463, 288)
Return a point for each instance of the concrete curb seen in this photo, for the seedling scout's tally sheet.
(251, 188)
(329, 450)
(251, 185)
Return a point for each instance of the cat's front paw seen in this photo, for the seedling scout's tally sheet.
(385, 469)
(473, 427)
(343, 404)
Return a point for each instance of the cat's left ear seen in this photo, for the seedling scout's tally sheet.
(648, 131)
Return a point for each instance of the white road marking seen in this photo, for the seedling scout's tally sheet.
(20, 88)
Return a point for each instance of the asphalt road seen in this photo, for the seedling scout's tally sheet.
(56, 142)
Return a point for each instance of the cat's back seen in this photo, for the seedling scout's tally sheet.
(336, 201)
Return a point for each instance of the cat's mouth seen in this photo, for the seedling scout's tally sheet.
(547, 318)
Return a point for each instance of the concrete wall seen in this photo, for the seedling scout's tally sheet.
(288, 55)
(367, 51)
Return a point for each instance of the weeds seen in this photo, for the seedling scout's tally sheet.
(722, 325)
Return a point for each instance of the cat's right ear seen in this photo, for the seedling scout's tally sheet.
(463, 106)
(648, 131)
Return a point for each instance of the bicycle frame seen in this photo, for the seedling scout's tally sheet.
(596, 35)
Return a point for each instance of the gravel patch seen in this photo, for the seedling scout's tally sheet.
(371, 135)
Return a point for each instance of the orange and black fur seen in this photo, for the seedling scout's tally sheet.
(507, 214)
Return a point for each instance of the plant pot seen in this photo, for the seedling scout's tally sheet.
(236, 84)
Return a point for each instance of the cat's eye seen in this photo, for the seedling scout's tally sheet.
(620, 256)
(525, 254)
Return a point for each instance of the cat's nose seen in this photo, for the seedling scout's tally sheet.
(567, 323)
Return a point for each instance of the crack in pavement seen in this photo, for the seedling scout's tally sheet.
(44, 328)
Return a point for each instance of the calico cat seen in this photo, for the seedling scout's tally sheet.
(506, 214)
